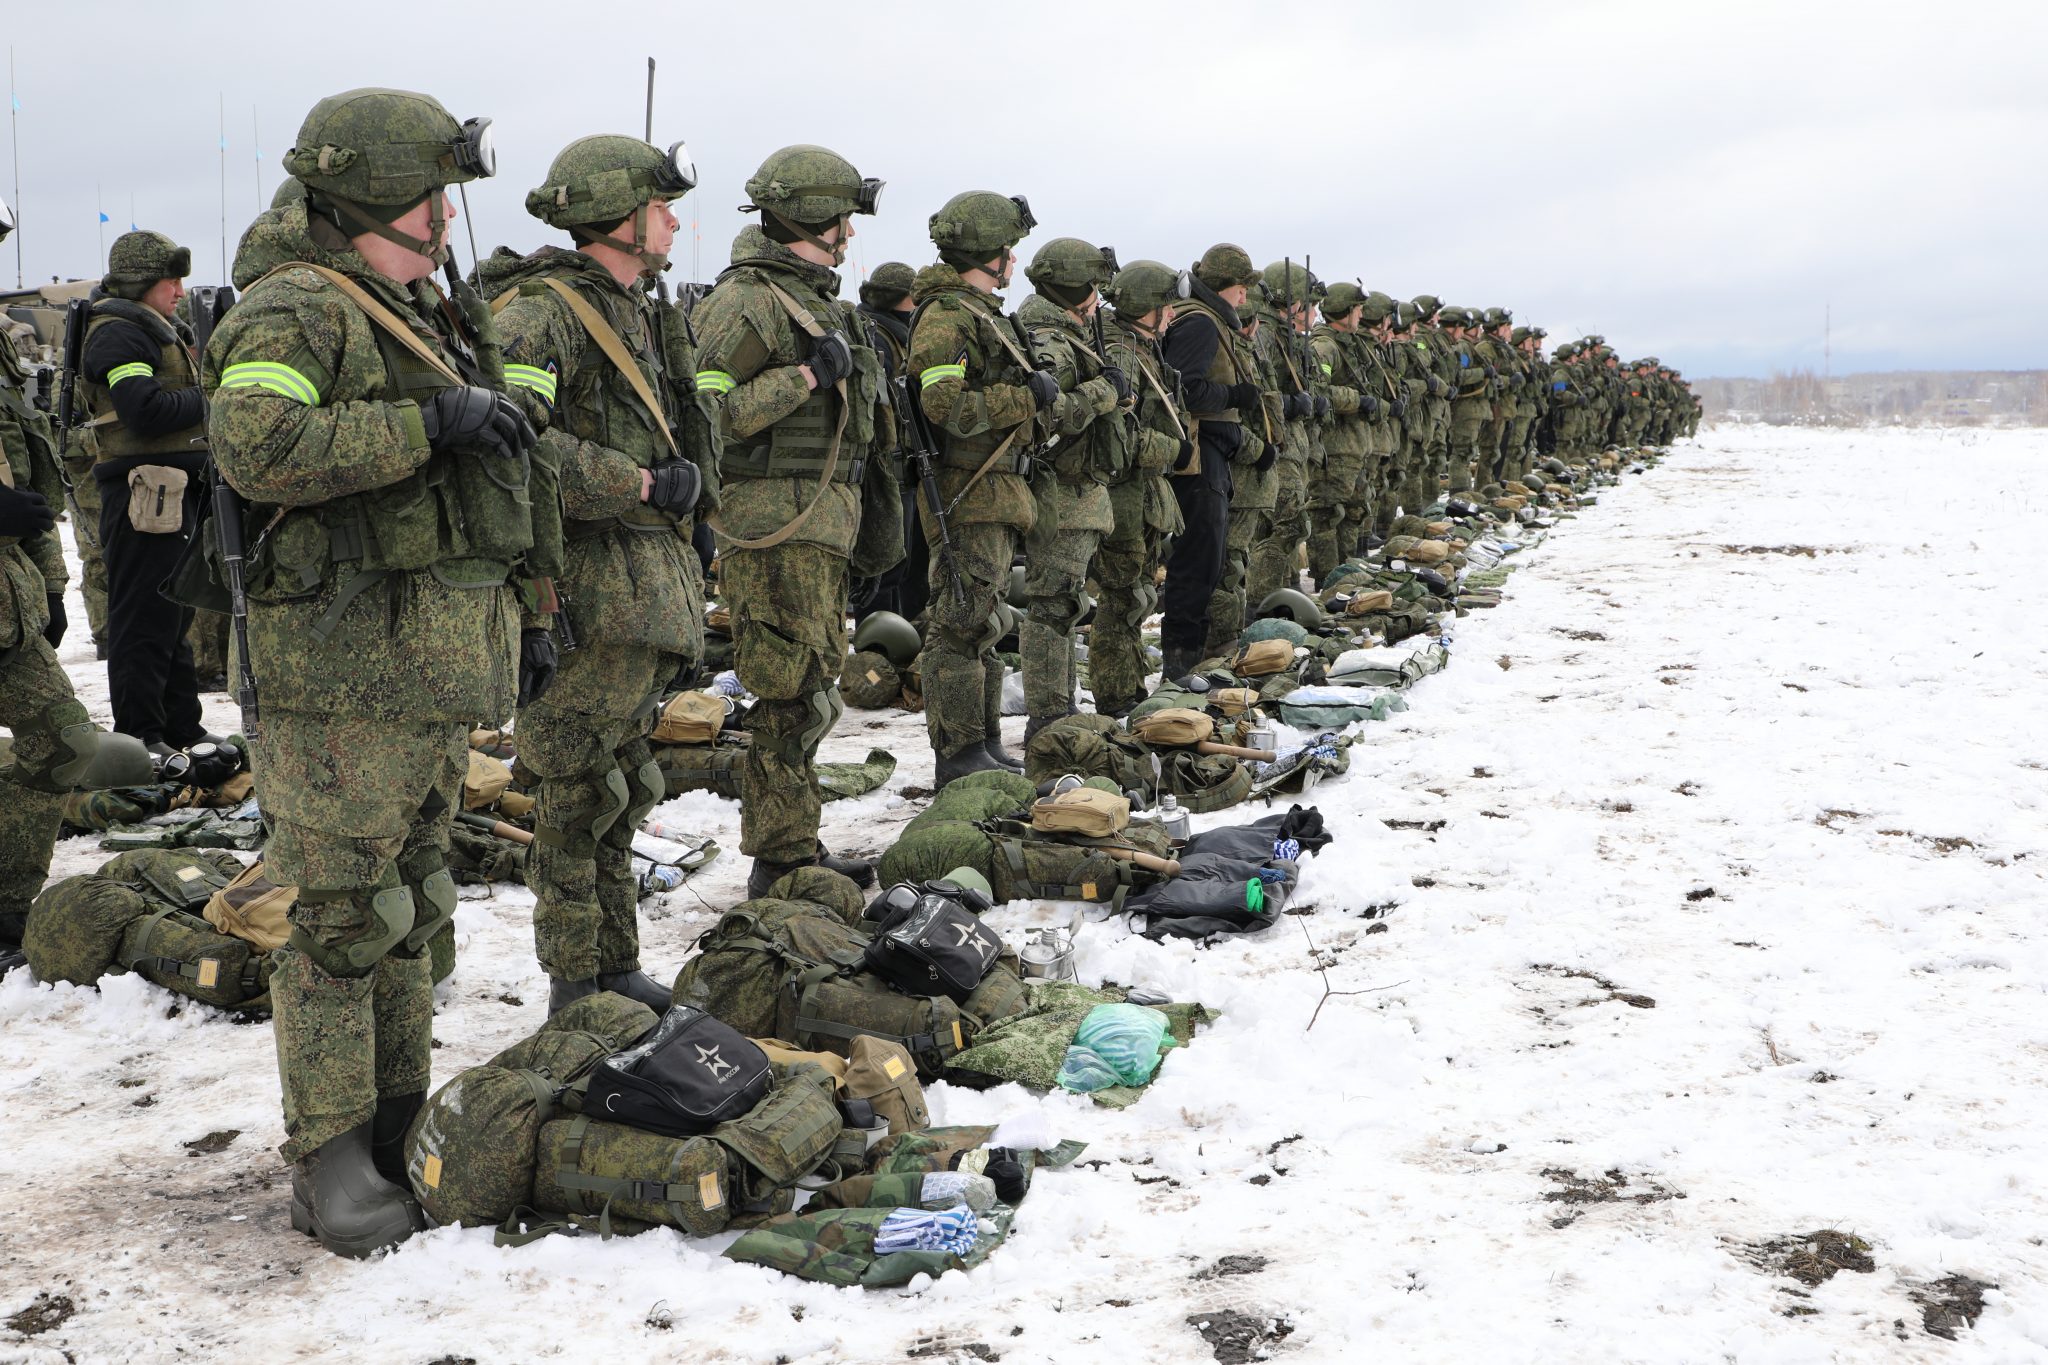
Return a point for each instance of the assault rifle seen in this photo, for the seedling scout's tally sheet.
(915, 429)
(208, 305)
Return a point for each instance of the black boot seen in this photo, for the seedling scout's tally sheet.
(765, 874)
(564, 993)
(387, 1134)
(859, 871)
(974, 758)
(993, 746)
(1178, 662)
(637, 985)
(339, 1198)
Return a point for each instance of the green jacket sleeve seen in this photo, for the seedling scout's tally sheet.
(944, 343)
(542, 338)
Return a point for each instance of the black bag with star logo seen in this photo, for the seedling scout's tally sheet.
(935, 946)
(692, 1073)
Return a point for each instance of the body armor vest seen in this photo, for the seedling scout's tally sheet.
(175, 369)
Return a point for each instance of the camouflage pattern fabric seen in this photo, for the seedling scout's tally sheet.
(959, 659)
(597, 782)
(837, 1247)
(1028, 1048)
(789, 636)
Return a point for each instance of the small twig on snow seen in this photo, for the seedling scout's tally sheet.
(1316, 956)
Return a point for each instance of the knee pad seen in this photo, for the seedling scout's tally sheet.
(86, 758)
(389, 919)
(826, 707)
(436, 891)
(580, 827)
(648, 787)
(1143, 600)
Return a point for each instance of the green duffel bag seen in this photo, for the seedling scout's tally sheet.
(744, 1167)
(470, 1152)
(713, 767)
(1204, 782)
(1090, 746)
(837, 1246)
(1028, 864)
(75, 928)
(183, 953)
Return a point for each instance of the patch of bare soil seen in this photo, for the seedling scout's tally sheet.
(1240, 1338)
(1579, 1192)
(48, 1312)
(1950, 1304)
(1630, 998)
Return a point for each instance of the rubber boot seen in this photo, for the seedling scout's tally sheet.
(972, 758)
(992, 717)
(387, 1134)
(859, 871)
(765, 874)
(1178, 663)
(995, 750)
(637, 985)
(339, 1199)
(562, 994)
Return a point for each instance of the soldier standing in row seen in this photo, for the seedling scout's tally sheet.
(1335, 494)
(57, 748)
(1071, 484)
(884, 310)
(608, 376)
(972, 371)
(147, 419)
(800, 391)
(1288, 304)
(1219, 374)
(360, 419)
(1144, 295)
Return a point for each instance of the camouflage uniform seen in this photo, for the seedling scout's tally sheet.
(382, 621)
(1257, 490)
(1491, 350)
(1285, 296)
(1374, 365)
(1408, 360)
(1146, 515)
(971, 367)
(631, 584)
(1070, 486)
(788, 524)
(1334, 498)
(1439, 355)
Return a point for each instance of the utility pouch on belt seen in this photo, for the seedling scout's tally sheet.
(692, 1073)
(156, 498)
(691, 718)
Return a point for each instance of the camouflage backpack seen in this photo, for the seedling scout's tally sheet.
(1091, 746)
(470, 1152)
(788, 966)
(142, 912)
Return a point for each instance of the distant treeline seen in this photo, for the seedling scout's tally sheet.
(1948, 398)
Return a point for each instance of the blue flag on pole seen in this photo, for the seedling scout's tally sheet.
(105, 219)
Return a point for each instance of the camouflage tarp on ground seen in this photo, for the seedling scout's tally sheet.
(1028, 1048)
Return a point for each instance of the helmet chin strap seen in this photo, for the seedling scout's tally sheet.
(837, 249)
(434, 246)
(652, 263)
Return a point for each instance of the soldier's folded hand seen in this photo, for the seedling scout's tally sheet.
(831, 358)
(24, 512)
(477, 418)
(1300, 405)
(537, 663)
(1323, 406)
(1369, 404)
(59, 622)
(673, 486)
(1399, 407)
(1045, 388)
(1243, 395)
(1118, 380)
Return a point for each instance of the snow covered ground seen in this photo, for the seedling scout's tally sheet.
(1698, 904)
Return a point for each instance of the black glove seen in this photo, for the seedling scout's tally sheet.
(1300, 405)
(1369, 404)
(1492, 373)
(1436, 386)
(54, 632)
(1322, 406)
(1267, 458)
(675, 488)
(1184, 458)
(1399, 407)
(1119, 381)
(537, 663)
(831, 358)
(482, 418)
(24, 512)
(1245, 395)
(1045, 388)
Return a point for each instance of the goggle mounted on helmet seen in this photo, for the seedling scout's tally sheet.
(1108, 254)
(474, 149)
(6, 218)
(1025, 220)
(866, 196)
(677, 173)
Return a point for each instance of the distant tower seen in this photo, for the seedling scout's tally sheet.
(1827, 339)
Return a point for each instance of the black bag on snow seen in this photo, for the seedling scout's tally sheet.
(935, 947)
(692, 1073)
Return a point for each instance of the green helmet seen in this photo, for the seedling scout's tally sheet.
(138, 260)
(1226, 264)
(1518, 336)
(810, 184)
(1426, 306)
(289, 191)
(387, 147)
(1496, 316)
(1566, 351)
(1287, 282)
(1294, 605)
(889, 635)
(1378, 308)
(1142, 286)
(973, 227)
(1405, 316)
(1453, 317)
(1066, 268)
(603, 180)
(887, 285)
(1342, 298)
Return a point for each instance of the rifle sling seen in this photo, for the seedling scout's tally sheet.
(377, 313)
(614, 348)
(803, 318)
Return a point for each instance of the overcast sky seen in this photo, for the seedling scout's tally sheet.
(1701, 181)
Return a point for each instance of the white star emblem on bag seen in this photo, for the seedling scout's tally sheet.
(708, 1058)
